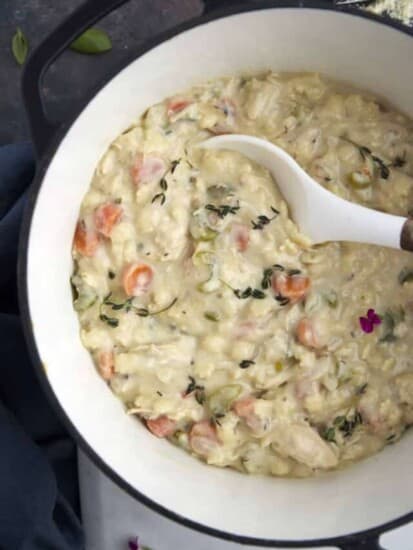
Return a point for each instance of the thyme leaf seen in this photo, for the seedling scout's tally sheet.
(329, 434)
(258, 294)
(263, 220)
(245, 363)
(348, 425)
(266, 278)
(192, 386)
(282, 300)
(222, 210)
(211, 316)
(128, 306)
(111, 321)
(382, 167)
(243, 294)
(399, 161)
(159, 196)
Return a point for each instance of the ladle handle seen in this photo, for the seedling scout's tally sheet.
(406, 237)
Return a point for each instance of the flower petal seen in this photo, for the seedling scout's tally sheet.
(366, 325)
(376, 320)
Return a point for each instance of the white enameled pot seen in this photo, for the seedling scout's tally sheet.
(361, 50)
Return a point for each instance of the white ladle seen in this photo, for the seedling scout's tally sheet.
(319, 214)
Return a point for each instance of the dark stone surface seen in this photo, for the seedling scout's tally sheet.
(74, 76)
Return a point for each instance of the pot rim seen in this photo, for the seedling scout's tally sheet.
(43, 164)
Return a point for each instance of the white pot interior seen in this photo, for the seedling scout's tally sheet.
(364, 53)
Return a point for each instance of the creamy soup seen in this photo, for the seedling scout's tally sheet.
(208, 313)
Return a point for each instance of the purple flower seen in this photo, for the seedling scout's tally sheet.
(367, 323)
(133, 544)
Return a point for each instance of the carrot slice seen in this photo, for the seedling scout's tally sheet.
(161, 426)
(137, 279)
(203, 438)
(294, 287)
(85, 241)
(176, 105)
(241, 234)
(244, 407)
(306, 334)
(147, 169)
(106, 364)
(106, 216)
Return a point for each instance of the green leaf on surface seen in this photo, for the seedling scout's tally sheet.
(92, 42)
(19, 46)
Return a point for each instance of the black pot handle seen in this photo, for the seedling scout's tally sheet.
(212, 5)
(41, 128)
(370, 542)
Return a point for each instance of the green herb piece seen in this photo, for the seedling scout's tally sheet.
(390, 319)
(348, 425)
(128, 306)
(220, 401)
(163, 184)
(266, 278)
(118, 201)
(245, 363)
(85, 299)
(211, 316)
(258, 294)
(405, 275)
(111, 274)
(215, 419)
(339, 421)
(329, 434)
(282, 300)
(111, 321)
(292, 272)
(363, 179)
(19, 46)
(174, 164)
(399, 161)
(279, 367)
(331, 298)
(222, 210)
(268, 272)
(192, 386)
(361, 389)
(200, 396)
(382, 167)
(142, 311)
(164, 308)
(243, 294)
(249, 292)
(159, 196)
(263, 220)
(390, 438)
(93, 41)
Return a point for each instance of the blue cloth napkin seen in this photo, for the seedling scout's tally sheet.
(39, 500)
